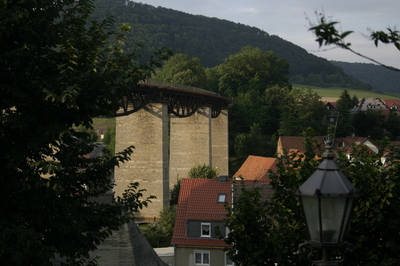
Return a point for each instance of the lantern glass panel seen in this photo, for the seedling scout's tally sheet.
(310, 206)
(349, 205)
(332, 214)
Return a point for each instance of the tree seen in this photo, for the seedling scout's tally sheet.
(392, 124)
(203, 171)
(250, 69)
(345, 101)
(253, 143)
(246, 76)
(275, 99)
(58, 71)
(326, 32)
(248, 109)
(302, 110)
(174, 193)
(265, 232)
(343, 124)
(182, 69)
(369, 124)
(248, 225)
(373, 226)
(159, 234)
(109, 139)
(354, 101)
(91, 133)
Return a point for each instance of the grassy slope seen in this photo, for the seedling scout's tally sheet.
(336, 91)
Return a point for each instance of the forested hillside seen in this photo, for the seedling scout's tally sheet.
(380, 78)
(212, 40)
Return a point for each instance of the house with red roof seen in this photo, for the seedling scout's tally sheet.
(256, 168)
(393, 104)
(200, 214)
(296, 144)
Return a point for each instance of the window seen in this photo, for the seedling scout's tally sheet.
(227, 231)
(202, 257)
(221, 198)
(205, 229)
(228, 261)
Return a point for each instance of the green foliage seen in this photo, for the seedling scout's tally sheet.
(392, 125)
(89, 132)
(336, 91)
(159, 234)
(369, 124)
(392, 36)
(251, 69)
(327, 33)
(203, 171)
(271, 230)
(373, 227)
(253, 143)
(248, 225)
(345, 101)
(109, 139)
(274, 99)
(174, 193)
(302, 109)
(380, 78)
(258, 82)
(59, 70)
(182, 69)
(211, 39)
(344, 125)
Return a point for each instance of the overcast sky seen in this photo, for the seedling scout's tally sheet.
(287, 19)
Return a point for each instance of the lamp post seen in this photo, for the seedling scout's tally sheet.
(327, 198)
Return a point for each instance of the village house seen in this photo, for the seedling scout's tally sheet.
(393, 104)
(332, 115)
(200, 215)
(366, 104)
(256, 168)
(296, 144)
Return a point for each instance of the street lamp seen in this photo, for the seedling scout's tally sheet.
(327, 198)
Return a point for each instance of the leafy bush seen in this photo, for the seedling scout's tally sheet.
(203, 171)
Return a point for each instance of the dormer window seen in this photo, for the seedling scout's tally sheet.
(221, 198)
(205, 230)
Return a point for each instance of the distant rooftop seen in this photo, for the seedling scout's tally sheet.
(256, 168)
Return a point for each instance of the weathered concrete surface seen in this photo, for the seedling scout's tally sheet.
(166, 148)
(190, 143)
(220, 147)
(147, 130)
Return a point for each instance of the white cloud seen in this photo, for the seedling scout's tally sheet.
(247, 11)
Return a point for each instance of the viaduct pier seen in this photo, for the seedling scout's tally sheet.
(173, 128)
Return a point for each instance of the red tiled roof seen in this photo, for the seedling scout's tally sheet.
(198, 201)
(296, 143)
(330, 105)
(392, 102)
(256, 168)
